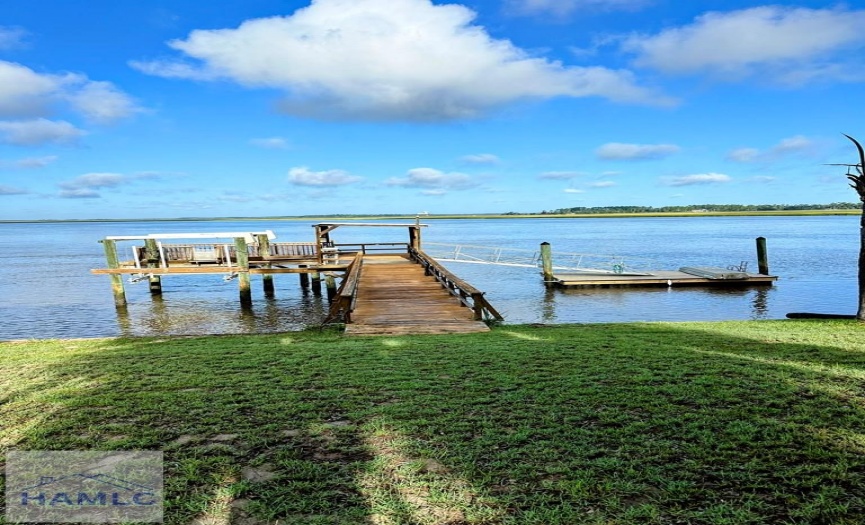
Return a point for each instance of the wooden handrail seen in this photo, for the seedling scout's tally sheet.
(346, 296)
(467, 294)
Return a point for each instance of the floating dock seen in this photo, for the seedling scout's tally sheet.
(657, 278)
(621, 277)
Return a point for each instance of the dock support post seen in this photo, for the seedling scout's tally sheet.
(762, 257)
(151, 253)
(547, 263)
(264, 252)
(330, 282)
(304, 279)
(110, 248)
(316, 283)
(242, 252)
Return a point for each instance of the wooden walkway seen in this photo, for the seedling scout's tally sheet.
(395, 297)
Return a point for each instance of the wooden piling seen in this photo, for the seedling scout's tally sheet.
(330, 283)
(304, 280)
(547, 263)
(316, 283)
(151, 254)
(242, 253)
(110, 248)
(762, 256)
(414, 237)
(264, 251)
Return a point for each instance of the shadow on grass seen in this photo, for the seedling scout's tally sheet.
(639, 423)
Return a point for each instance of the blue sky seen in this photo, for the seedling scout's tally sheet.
(125, 109)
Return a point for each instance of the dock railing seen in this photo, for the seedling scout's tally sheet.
(366, 247)
(467, 294)
(346, 296)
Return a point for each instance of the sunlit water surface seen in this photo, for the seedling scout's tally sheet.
(49, 292)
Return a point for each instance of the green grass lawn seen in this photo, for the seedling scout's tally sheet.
(722, 423)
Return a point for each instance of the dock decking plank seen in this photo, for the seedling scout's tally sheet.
(394, 297)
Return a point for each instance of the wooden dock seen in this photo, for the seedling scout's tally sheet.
(406, 292)
(395, 296)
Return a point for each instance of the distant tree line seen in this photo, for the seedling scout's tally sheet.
(696, 208)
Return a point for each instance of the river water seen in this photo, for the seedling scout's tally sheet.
(49, 292)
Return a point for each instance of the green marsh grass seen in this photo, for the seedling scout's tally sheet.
(698, 423)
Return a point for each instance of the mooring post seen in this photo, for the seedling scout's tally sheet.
(762, 257)
(264, 251)
(242, 252)
(304, 278)
(547, 263)
(151, 253)
(316, 283)
(330, 282)
(110, 248)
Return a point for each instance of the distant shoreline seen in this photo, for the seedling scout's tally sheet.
(336, 218)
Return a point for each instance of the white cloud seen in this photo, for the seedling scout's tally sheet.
(620, 151)
(795, 144)
(101, 102)
(11, 37)
(481, 158)
(270, 143)
(86, 186)
(699, 178)
(10, 190)
(386, 60)
(28, 163)
(566, 7)
(798, 144)
(38, 131)
(573, 190)
(95, 181)
(303, 176)
(603, 184)
(787, 44)
(433, 179)
(26, 94)
(560, 175)
(743, 154)
(79, 193)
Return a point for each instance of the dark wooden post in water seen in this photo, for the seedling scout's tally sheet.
(110, 248)
(264, 252)
(547, 263)
(151, 253)
(316, 283)
(762, 256)
(330, 283)
(304, 278)
(242, 252)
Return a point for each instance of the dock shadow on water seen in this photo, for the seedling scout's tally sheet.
(195, 315)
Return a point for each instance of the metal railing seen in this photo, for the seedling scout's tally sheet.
(578, 262)
(467, 294)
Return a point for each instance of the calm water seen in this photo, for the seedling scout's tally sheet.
(49, 292)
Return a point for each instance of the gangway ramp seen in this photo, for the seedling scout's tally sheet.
(397, 295)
